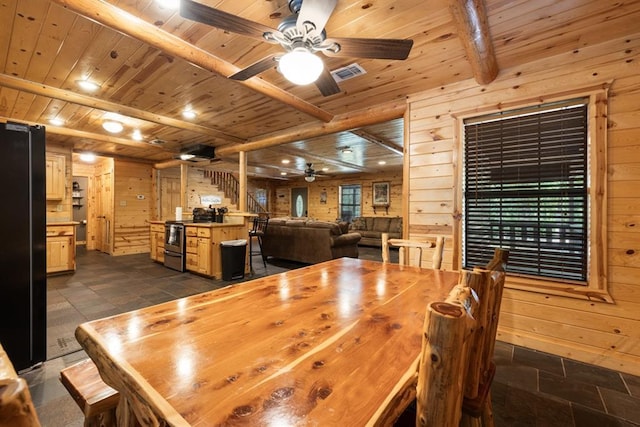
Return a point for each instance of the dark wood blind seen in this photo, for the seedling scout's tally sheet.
(525, 188)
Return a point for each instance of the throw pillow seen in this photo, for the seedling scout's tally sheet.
(358, 224)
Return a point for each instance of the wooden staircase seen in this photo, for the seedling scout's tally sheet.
(229, 185)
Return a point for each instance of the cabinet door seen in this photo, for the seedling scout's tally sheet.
(55, 176)
(204, 256)
(153, 243)
(59, 254)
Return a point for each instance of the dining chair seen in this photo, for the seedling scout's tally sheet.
(260, 224)
(477, 409)
(447, 334)
(407, 247)
(446, 396)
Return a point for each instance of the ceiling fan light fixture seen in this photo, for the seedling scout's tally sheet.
(300, 66)
(310, 178)
(88, 85)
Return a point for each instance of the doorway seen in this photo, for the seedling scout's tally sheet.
(299, 202)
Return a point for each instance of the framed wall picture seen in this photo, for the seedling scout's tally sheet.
(381, 193)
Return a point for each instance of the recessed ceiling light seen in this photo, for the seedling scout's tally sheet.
(56, 121)
(88, 157)
(285, 161)
(382, 162)
(87, 85)
(347, 150)
(137, 135)
(283, 173)
(169, 4)
(186, 156)
(112, 126)
(325, 169)
(189, 114)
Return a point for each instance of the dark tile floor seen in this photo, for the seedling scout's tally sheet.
(530, 388)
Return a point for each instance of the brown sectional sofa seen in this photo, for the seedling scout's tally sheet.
(309, 241)
(371, 229)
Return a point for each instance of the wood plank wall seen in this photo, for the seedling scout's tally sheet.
(598, 333)
(132, 207)
(329, 211)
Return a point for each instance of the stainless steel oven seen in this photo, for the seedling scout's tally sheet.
(174, 245)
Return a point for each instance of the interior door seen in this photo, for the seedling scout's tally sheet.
(169, 196)
(299, 202)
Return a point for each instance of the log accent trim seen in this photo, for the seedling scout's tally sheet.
(470, 17)
(379, 141)
(91, 102)
(126, 23)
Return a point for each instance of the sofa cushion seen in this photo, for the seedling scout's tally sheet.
(332, 226)
(296, 223)
(368, 233)
(358, 223)
(344, 226)
(381, 224)
(369, 221)
(395, 225)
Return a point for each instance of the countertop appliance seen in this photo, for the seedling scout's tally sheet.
(23, 313)
(174, 245)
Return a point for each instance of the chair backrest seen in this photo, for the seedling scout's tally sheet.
(447, 389)
(16, 406)
(260, 224)
(407, 248)
(448, 330)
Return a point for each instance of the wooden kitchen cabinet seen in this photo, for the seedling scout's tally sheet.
(61, 248)
(157, 242)
(203, 246)
(55, 176)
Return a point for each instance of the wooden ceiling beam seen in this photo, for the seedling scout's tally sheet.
(307, 155)
(119, 20)
(57, 130)
(470, 18)
(41, 89)
(344, 122)
(377, 140)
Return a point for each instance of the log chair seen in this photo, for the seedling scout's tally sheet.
(16, 406)
(435, 243)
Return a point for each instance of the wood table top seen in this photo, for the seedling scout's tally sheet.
(327, 344)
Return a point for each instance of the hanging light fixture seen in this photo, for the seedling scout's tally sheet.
(300, 66)
(310, 178)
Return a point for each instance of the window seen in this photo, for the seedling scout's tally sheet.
(526, 188)
(350, 200)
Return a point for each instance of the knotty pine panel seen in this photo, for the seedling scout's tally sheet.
(131, 213)
(592, 332)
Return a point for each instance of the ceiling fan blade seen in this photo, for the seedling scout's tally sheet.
(370, 48)
(257, 67)
(327, 84)
(317, 12)
(225, 21)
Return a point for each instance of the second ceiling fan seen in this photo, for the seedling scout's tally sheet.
(301, 35)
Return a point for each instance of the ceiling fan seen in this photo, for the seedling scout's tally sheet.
(309, 173)
(301, 35)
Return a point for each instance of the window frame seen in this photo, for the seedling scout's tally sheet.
(340, 204)
(596, 286)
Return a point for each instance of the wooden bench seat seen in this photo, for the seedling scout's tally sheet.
(96, 400)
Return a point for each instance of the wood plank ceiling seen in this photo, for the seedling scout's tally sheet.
(151, 64)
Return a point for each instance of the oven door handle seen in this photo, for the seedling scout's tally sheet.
(173, 254)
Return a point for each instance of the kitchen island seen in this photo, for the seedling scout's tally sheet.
(202, 247)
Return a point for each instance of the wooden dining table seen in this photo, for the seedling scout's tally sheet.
(335, 343)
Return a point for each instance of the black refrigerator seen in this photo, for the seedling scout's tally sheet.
(23, 282)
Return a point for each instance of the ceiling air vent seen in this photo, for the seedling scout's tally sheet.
(348, 72)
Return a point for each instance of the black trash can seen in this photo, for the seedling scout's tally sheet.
(233, 258)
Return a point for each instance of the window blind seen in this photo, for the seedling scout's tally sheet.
(525, 188)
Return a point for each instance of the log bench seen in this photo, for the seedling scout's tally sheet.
(96, 400)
